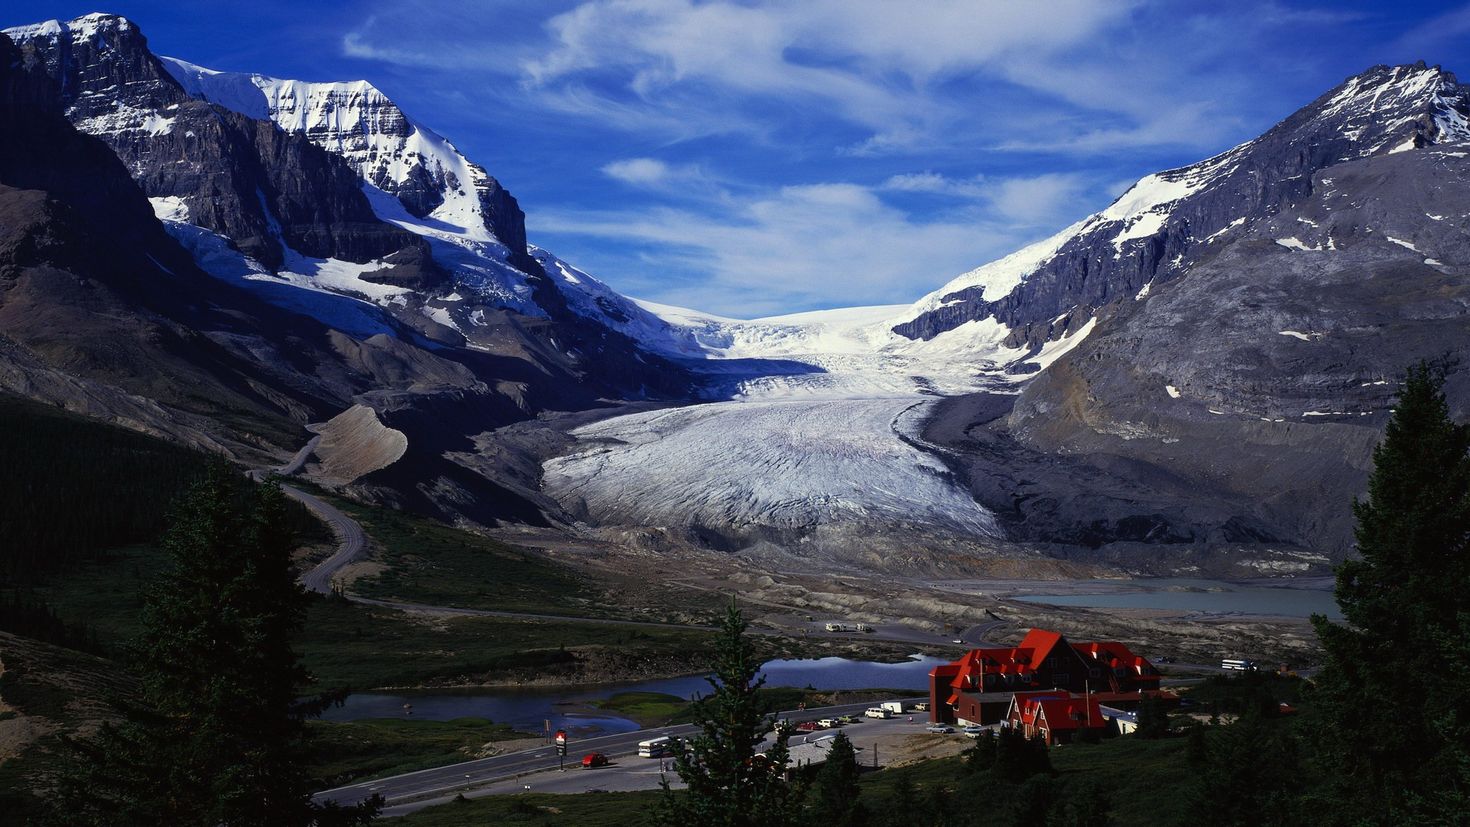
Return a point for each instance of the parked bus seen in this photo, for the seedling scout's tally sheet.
(1238, 665)
(656, 747)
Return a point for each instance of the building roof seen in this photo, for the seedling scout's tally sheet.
(1116, 655)
(1058, 710)
(1022, 660)
(1040, 642)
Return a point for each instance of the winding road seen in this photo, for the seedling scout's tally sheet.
(351, 541)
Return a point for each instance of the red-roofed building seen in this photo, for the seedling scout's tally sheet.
(1055, 717)
(977, 688)
(1118, 668)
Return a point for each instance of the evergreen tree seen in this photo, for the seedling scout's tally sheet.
(216, 738)
(1032, 801)
(1082, 805)
(903, 806)
(836, 788)
(1252, 775)
(729, 783)
(1018, 758)
(1197, 745)
(1153, 719)
(980, 756)
(1391, 714)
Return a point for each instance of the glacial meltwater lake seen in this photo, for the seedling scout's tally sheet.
(568, 708)
(1251, 597)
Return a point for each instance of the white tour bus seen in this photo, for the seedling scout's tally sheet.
(1238, 664)
(656, 747)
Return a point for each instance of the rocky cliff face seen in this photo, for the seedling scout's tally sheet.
(265, 190)
(357, 122)
(1154, 232)
(1237, 403)
(310, 180)
(228, 279)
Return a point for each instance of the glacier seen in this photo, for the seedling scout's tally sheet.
(768, 469)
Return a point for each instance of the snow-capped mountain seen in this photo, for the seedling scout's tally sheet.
(1059, 395)
(433, 180)
(419, 302)
(1151, 234)
(1222, 342)
(329, 188)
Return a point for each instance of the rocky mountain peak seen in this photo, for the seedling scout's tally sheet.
(1393, 108)
(114, 52)
(1154, 231)
(431, 178)
(267, 191)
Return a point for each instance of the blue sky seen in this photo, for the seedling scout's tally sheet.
(751, 158)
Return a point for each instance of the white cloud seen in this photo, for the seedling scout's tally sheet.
(641, 171)
(1023, 200)
(802, 246)
(686, 68)
(932, 182)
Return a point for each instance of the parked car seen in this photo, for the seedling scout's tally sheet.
(594, 759)
(829, 723)
(808, 726)
(849, 719)
(973, 730)
(939, 729)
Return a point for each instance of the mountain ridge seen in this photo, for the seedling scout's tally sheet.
(398, 270)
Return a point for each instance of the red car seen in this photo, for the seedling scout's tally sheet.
(594, 759)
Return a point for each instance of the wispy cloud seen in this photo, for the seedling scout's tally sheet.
(1431, 37)
(754, 252)
(752, 156)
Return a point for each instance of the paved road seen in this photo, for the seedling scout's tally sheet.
(351, 541)
(976, 635)
(627, 773)
(415, 790)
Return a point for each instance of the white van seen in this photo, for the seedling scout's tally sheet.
(878, 712)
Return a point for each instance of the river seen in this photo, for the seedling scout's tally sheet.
(1272, 598)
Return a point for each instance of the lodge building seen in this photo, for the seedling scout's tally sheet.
(980, 686)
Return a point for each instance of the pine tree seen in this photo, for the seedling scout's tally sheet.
(836, 788)
(729, 783)
(1018, 758)
(215, 738)
(1391, 714)
(1252, 775)
(903, 804)
(1153, 719)
(1082, 805)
